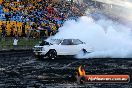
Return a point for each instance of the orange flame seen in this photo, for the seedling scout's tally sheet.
(81, 71)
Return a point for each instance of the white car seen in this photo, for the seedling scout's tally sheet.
(59, 47)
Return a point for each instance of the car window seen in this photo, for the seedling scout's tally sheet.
(67, 42)
(77, 42)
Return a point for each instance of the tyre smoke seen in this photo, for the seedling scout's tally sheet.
(106, 37)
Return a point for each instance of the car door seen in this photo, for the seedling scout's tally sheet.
(66, 47)
(77, 46)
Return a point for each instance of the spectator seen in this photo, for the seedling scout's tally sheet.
(7, 17)
(48, 28)
(23, 29)
(15, 41)
(3, 26)
(16, 31)
(12, 31)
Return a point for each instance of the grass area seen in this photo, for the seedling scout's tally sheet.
(23, 43)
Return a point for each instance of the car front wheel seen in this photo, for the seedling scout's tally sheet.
(52, 54)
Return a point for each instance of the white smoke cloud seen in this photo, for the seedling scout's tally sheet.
(121, 9)
(123, 3)
(107, 38)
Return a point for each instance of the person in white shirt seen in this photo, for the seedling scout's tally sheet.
(15, 42)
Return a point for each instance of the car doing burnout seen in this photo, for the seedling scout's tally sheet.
(60, 47)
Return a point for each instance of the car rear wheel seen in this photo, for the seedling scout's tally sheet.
(84, 51)
(52, 54)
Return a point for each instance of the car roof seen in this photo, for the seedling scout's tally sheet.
(65, 39)
(48, 40)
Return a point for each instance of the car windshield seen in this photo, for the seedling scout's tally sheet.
(44, 43)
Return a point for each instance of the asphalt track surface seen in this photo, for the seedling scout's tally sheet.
(22, 70)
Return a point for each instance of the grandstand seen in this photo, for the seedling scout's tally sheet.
(47, 14)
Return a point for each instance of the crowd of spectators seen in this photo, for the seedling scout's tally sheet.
(44, 16)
